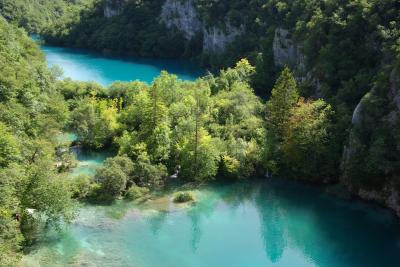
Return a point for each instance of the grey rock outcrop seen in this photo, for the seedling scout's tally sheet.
(286, 52)
(113, 7)
(183, 16)
(216, 40)
(388, 196)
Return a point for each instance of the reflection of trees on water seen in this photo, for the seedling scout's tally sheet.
(239, 193)
(272, 218)
(301, 220)
(231, 195)
(156, 221)
(116, 210)
(201, 209)
(195, 219)
(326, 231)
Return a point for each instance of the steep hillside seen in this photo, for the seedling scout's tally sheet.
(32, 112)
(371, 160)
(34, 15)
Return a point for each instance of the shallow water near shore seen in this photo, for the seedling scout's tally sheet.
(258, 223)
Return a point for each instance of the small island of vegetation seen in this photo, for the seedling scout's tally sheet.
(183, 197)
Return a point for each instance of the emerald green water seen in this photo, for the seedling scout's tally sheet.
(88, 161)
(261, 223)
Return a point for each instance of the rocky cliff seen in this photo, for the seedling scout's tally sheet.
(286, 52)
(113, 7)
(183, 16)
(374, 145)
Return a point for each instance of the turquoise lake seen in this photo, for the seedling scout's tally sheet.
(87, 66)
(258, 223)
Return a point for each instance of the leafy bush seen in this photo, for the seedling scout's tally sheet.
(81, 186)
(112, 180)
(183, 197)
(135, 192)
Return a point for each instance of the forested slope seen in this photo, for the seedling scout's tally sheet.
(35, 15)
(32, 112)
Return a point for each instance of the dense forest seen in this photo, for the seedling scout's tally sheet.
(330, 115)
(32, 112)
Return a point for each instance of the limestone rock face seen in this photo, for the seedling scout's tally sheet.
(388, 197)
(183, 16)
(393, 201)
(364, 120)
(113, 7)
(286, 52)
(215, 39)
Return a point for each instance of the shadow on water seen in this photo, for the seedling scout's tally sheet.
(323, 228)
(327, 231)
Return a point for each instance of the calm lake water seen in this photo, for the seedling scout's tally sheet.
(258, 224)
(255, 224)
(86, 66)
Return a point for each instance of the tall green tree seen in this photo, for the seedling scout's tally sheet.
(95, 121)
(306, 139)
(283, 98)
(32, 113)
(197, 151)
(279, 107)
